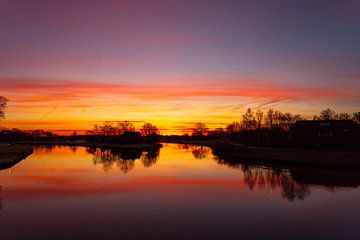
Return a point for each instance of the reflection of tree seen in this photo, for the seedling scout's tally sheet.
(270, 179)
(149, 158)
(183, 146)
(45, 148)
(73, 149)
(200, 152)
(124, 159)
(293, 190)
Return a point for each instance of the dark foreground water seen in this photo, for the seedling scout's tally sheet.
(181, 192)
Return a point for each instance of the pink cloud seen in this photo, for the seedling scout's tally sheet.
(30, 90)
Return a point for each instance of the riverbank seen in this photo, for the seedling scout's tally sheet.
(277, 157)
(287, 158)
(142, 146)
(10, 154)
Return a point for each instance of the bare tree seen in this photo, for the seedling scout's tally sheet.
(3, 103)
(248, 119)
(342, 116)
(108, 129)
(278, 118)
(199, 129)
(125, 127)
(356, 117)
(287, 119)
(259, 117)
(234, 127)
(327, 114)
(149, 129)
(270, 118)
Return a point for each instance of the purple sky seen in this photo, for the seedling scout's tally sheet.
(297, 56)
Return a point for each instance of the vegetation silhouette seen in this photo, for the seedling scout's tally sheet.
(276, 129)
(199, 130)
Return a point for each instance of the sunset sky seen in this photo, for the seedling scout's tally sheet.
(69, 64)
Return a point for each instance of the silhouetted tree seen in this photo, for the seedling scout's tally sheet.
(248, 119)
(219, 131)
(270, 118)
(199, 129)
(125, 127)
(327, 114)
(259, 117)
(356, 117)
(278, 118)
(287, 119)
(3, 102)
(234, 127)
(342, 116)
(149, 129)
(108, 129)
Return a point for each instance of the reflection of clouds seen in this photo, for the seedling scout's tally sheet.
(270, 179)
(123, 159)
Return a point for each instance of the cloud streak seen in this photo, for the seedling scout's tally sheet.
(50, 90)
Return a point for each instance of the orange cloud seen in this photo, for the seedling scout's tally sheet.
(63, 104)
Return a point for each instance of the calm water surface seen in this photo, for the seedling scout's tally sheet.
(181, 192)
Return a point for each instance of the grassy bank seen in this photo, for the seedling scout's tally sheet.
(277, 157)
(283, 158)
(10, 154)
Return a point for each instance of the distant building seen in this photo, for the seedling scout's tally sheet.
(325, 133)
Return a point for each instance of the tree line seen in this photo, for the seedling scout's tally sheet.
(251, 120)
(122, 127)
(271, 119)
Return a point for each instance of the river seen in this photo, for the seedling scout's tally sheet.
(180, 192)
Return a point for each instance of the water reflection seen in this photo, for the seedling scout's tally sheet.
(44, 148)
(294, 182)
(199, 152)
(270, 179)
(123, 159)
(73, 148)
(178, 159)
(149, 158)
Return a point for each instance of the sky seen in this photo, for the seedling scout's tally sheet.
(69, 64)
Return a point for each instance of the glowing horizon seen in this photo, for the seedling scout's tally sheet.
(71, 64)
